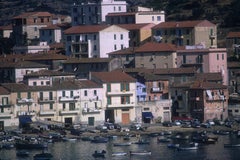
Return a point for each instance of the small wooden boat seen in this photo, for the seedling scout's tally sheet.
(119, 154)
(122, 144)
(22, 153)
(141, 153)
(98, 154)
(43, 156)
(231, 145)
(188, 148)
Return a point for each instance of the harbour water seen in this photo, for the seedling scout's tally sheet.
(83, 150)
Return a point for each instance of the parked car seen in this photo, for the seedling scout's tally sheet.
(210, 122)
(117, 126)
(101, 127)
(177, 123)
(167, 124)
(109, 126)
(135, 126)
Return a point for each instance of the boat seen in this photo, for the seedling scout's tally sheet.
(43, 156)
(98, 154)
(173, 145)
(122, 144)
(22, 153)
(231, 145)
(98, 139)
(141, 153)
(69, 139)
(142, 141)
(190, 146)
(87, 138)
(164, 140)
(119, 153)
(30, 145)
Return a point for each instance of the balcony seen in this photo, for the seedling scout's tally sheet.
(45, 100)
(117, 92)
(47, 113)
(91, 111)
(68, 99)
(69, 112)
(31, 113)
(6, 115)
(156, 90)
(28, 101)
(117, 105)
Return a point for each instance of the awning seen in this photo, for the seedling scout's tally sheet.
(23, 119)
(147, 115)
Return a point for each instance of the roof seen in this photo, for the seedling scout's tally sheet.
(113, 77)
(89, 84)
(209, 76)
(207, 85)
(130, 50)
(233, 64)
(156, 47)
(87, 60)
(29, 14)
(31, 57)
(121, 14)
(85, 29)
(46, 72)
(184, 24)
(22, 64)
(136, 26)
(8, 27)
(3, 91)
(233, 35)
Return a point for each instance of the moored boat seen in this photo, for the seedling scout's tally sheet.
(140, 153)
(173, 145)
(119, 154)
(122, 144)
(98, 154)
(30, 145)
(22, 153)
(43, 156)
(231, 145)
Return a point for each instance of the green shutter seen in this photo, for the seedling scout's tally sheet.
(127, 86)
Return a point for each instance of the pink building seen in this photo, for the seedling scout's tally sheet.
(205, 60)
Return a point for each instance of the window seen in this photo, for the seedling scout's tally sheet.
(41, 96)
(217, 56)
(64, 106)
(109, 100)
(50, 106)
(42, 83)
(71, 106)
(85, 93)
(69, 38)
(222, 56)
(95, 92)
(158, 18)
(115, 37)
(19, 95)
(50, 95)
(95, 104)
(34, 83)
(86, 38)
(114, 8)
(48, 83)
(125, 100)
(188, 42)
(42, 20)
(63, 93)
(35, 20)
(108, 87)
(29, 95)
(152, 18)
(124, 86)
(94, 37)
(122, 46)
(35, 29)
(184, 59)
(115, 47)
(71, 93)
(119, 8)
(121, 36)
(95, 47)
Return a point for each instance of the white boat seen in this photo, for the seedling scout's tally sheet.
(140, 152)
(122, 144)
(69, 139)
(119, 154)
(188, 148)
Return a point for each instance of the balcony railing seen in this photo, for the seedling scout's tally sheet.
(24, 101)
(156, 89)
(47, 112)
(91, 111)
(125, 105)
(31, 113)
(68, 112)
(46, 100)
(68, 99)
(118, 92)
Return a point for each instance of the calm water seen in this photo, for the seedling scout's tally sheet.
(82, 150)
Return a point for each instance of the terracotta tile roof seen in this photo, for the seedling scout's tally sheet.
(136, 26)
(32, 57)
(29, 14)
(57, 46)
(8, 27)
(130, 50)
(46, 72)
(16, 87)
(209, 76)
(52, 27)
(184, 24)
(152, 77)
(181, 85)
(233, 35)
(113, 77)
(88, 84)
(85, 29)
(87, 60)
(207, 85)
(121, 14)
(22, 64)
(156, 47)
(3, 91)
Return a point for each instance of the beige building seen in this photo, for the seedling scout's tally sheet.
(186, 33)
(153, 55)
(120, 100)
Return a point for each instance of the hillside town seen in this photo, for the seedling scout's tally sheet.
(109, 63)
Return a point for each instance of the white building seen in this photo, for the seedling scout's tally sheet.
(50, 34)
(94, 13)
(95, 40)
